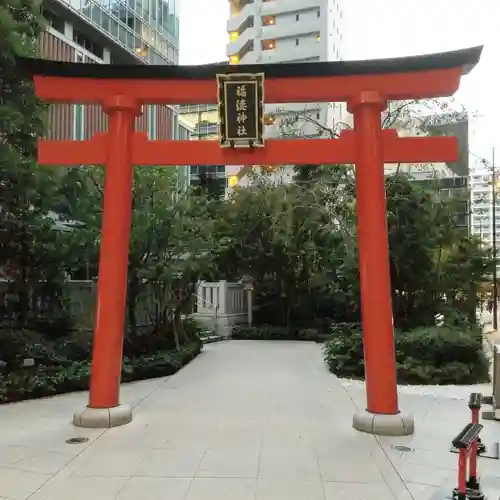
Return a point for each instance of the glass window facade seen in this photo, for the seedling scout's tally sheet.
(201, 122)
(147, 28)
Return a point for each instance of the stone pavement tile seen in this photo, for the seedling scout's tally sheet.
(19, 484)
(356, 394)
(425, 474)
(71, 487)
(45, 435)
(442, 459)
(328, 440)
(282, 462)
(388, 462)
(289, 489)
(274, 435)
(357, 491)
(137, 392)
(184, 434)
(98, 463)
(222, 489)
(129, 438)
(236, 434)
(422, 491)
(146, 432)
(44, 462)
(174, 462)
(154, 488)
(240, 462)
(11, 454)
(489, 467)
(352, 467)
(490, 486)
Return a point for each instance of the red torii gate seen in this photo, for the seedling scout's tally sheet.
(366, 86)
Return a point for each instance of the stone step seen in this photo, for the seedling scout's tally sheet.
(211, 338)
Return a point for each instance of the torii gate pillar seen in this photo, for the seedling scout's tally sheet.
(374, 272)
(107, 345)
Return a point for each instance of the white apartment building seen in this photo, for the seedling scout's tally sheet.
(481, 192)
(279, 31)
(482, 206)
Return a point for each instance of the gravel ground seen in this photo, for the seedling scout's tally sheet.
(460, 392)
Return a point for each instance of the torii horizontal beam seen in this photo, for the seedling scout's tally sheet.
(398, 86)
(319, 151)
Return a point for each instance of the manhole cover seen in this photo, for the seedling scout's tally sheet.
(77, 440)
(401, 447)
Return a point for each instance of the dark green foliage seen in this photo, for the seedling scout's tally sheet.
(426, 355)
(32, 254)
(43, 381)
(171, 238)
(63, 364)
(271, 332)
(435, 267)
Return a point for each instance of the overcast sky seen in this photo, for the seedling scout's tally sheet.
(407, 27)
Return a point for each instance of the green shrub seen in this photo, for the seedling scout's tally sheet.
(435, 355)
(42, 381)
(150, 339)
(17, 345)
(271, 332)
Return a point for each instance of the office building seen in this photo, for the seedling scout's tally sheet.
(201, 122)
(481, 157)
(299, 31)
(201, 119)
(110, 32)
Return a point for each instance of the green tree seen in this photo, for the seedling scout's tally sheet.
(31, 252)
(298, 242)
(170, 242)
(435, 266)
(284, 238)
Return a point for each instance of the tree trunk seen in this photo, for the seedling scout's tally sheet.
(175, 328)
(23, 294)
(184, 299)
(132, 294)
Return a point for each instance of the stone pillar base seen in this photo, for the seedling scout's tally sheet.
(383, 425)
(103, 418)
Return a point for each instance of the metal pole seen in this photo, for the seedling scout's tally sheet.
(494, 203)
(481, 289)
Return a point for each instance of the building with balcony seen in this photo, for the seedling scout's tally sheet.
(299, 31)
(274, 31)
(110, 32)
(484, 205)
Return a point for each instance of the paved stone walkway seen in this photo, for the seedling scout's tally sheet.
(244, 421)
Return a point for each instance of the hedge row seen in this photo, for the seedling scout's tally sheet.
(271, 332)
(434, 355)
(42, 381)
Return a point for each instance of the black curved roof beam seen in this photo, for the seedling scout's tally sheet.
(465, 58)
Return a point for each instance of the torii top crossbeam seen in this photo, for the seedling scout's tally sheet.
(436, 75)
(398, 79)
